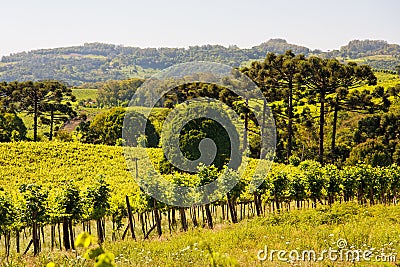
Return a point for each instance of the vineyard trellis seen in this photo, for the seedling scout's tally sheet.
(43, 210)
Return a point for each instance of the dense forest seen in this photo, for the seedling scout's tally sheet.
(97, 62)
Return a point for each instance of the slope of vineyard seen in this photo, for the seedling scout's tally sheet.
(90, 206)
(51, 164)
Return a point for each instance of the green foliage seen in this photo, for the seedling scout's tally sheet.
(97, 254)
(105, 260)
(71, 202)
(195, 131)
(93, 253)
(84, 240)
(97, 62)
(35, 206)
(98, 196)
(385, 126)
(331, 174)
(64, 136)
(7, 212)
(105, 197)
(106, 128)
(279, 185)
(316, 182)
(207, 174)
(297, 187)
(372, 152)
(118, 93)
(51, 167)
(294, 160)
(12, 128)
(288, 80)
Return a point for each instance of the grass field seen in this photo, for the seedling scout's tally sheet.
(84, 94)
(362, 227)
(385, 80)
(349, 226)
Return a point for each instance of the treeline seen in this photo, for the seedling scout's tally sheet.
(94, 62)
(363, 48)
(97, 62)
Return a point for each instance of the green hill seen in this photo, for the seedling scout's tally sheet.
(96, 62)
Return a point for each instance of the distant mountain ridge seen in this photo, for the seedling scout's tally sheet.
(96, 62)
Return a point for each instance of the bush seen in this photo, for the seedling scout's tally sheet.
(372, 152)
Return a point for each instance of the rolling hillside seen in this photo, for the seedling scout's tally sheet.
(96, 62)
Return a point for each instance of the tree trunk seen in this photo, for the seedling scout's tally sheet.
(334, 125)
(257, 203)
(100, 234)
(183, 219)
(142, 223)
(66, 236)
(35, 238)
(157, 218)
(321, 129)
(194, 218)
(277, 202)
(290, 119)
(173, 218)
(360, 194)
(331, 198)
(59, 236)
(52, 235)
(246, 122)
(7, 243)
(263, 129)
(17, 241)
(169, 222)
(71, 234)
(231, 209)
(209, 217)
(371, 197)
(130, 217)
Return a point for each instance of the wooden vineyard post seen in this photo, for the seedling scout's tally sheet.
(131, 226)
(157, 218)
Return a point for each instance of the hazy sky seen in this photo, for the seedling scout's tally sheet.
(29, 24)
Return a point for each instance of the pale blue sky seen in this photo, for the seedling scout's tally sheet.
(29, 24)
